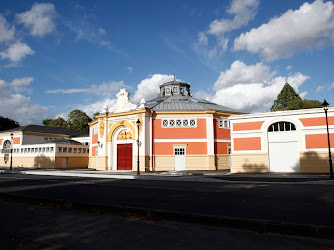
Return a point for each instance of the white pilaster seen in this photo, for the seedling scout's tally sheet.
(210, 135)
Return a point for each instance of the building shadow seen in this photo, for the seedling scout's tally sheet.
(43, 162)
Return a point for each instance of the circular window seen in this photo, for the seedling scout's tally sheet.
(7, 144)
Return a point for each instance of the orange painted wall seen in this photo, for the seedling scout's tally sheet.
(319, 141)
(317, 121)
(95, 138)
(94, 150)
(193, 148)
(167, 133)
(247, 126)
(221, 147)
(252, 143)
(16, 140)
(220, 133)
(0, 141)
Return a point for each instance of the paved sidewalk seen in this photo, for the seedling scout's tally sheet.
(198, 176)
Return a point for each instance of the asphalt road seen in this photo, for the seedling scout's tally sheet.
(288, 202)
(26, 226)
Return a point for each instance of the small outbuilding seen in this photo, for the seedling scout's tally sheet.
(282, 141)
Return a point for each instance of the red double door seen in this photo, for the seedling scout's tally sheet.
(124, 156)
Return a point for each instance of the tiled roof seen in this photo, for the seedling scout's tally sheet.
(49, 130)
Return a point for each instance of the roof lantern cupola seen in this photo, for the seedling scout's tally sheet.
(174, 88)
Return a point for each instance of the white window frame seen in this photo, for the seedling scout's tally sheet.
(222, 123)
(168, 122)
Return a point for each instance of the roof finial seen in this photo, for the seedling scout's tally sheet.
(174, 75)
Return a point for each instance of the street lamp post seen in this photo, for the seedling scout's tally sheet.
(138, 124)
(325, 105)
(11, 151)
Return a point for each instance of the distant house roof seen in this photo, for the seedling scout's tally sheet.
(64, 141)
(49, 130)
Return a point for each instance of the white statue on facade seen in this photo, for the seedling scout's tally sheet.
(123, 103)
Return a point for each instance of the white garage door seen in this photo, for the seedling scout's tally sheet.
(283, 147)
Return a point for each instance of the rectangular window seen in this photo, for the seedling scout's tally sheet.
(164, 123)
(47, 149)
(192, 122)
(59, 150)
(64, 150)
(79, 150)
(43, 150)
(74, 150)
(224, 123)
(70, 150)
(51, 150)
(32, 150)
(179, 123)
(84, 150)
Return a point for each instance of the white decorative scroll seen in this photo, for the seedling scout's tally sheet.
(123, 103)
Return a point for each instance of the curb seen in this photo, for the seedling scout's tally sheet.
(115, 176)
(184, 178)
(257, 225)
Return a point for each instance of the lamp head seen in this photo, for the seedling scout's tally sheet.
(325, 104)
(138, 122)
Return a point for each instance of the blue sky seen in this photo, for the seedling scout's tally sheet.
(56, 56)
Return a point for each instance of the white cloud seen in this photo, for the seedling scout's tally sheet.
(288, 67)
(16, 52)
(309, 27)
(130, 69)
(103, 89)
(6, 31)
(39, 20)
(303, 94)
(320, 88)
(91, 109)
(102, 31)
(240, 73)
(250, 88)
(202, 38)
(20, 107)
(149, 87)
(331, 86)
(243, 11)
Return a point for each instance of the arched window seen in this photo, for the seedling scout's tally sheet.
(281, 127)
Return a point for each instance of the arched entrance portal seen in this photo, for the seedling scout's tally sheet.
(122, 147)
(283, 147)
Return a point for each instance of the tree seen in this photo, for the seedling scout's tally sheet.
(57, 123)
(7, 123)
(310, 104)
(288, 99)
(78, 120)
(97, 113)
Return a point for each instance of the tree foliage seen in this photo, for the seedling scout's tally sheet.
(288, 99)
(57, 123)
(7, 123)
(77, 120)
